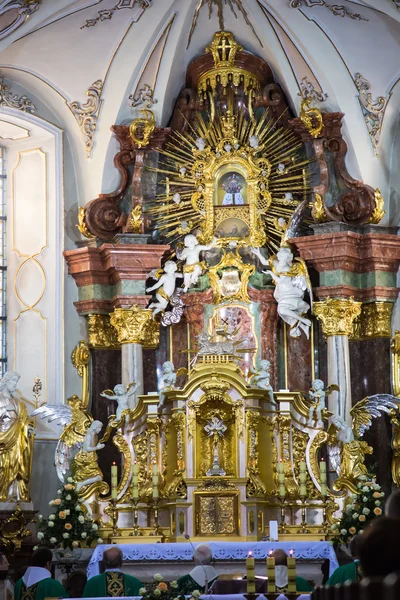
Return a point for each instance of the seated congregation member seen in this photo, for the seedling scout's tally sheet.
(379, 549)
(281, 573)
(76, 584)
(112, 582)
(350, 572)
(196, 579)
(37, 584)
(392, 506)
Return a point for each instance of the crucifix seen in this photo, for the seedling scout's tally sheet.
(215, 428)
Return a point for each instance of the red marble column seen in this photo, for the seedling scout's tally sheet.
(269, 326)
(194, 312)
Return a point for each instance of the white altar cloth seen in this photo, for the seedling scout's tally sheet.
(220, 551)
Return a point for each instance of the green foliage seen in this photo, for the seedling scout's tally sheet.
(68, 526)
(164, 591)
(365, 505)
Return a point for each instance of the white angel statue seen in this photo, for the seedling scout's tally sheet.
(165, 286)
(122, 396)
(261, 378)
(191, 255)
(291, 280)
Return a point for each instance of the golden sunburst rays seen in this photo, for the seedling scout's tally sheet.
(273, 153)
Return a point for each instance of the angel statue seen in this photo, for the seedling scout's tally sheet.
(191, 255)
(122, 396)
(165, 286)
(85, 467)
(76, 422)
(291, 281)
(261, 379)
(16, 442)
(318, 395)
(168, 379)
(346, 450)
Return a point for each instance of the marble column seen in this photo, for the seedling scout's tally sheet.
(337, 317)
(136, 329)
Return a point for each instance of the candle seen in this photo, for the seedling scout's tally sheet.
(281, 467)
(303, 466)
(282, 491)
(291, 565)
(322, 466)
(324, 489)
(250, 574)
(271, 587)
(303, 490)
(135, 468)
(114, 481)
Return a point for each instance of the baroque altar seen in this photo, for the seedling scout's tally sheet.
(223, 328)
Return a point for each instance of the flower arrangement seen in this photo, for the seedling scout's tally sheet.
(164, 591)
(364, 506)
(68, 526)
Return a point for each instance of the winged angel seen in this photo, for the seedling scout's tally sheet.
(346, 449)
(77, 441)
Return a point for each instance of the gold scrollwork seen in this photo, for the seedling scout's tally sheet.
(177, 487)
(136, 326)
(143, 127)
(379, 210)
(81, 359)
(13, 530)
(395, 348)
(318, 209)
(81, 225)
(337, 315)
(101, 333)
(255, 486)
(311, 117)
(135, 221)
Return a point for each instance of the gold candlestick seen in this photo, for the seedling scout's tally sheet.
(303, 524)
(324, 525)
(156, 530)
(136, 530)
(282, 526)
(114, 518)
(271, 586)
(291, 566)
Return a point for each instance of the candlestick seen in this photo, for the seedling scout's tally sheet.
(114, 481)
(291, 565)
(135, 531)
(156, 530)
(114, 518)
(250, 574)
(282, 526)
(271, 587)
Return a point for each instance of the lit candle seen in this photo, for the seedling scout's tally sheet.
(135, 468)
(282, 490)
(303, 490)
(271, 587)
(250, 574)
(291, 565)
(114, 481)
(322, 466)
(324, 490)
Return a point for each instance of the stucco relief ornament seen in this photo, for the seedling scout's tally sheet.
(339, 10)
(144, 97)
(107, 14)
(20, 10)
(373, 111)
(87, 114)
(7, 98)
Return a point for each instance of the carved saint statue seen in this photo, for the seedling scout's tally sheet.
(318, 394)
(261, 379)
(168, 379)
(16, 442)
(291, 281)
(215, 428)
(165, 286)
(85, 466)
(191, 255)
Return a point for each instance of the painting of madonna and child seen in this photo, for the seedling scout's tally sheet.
(232, 191)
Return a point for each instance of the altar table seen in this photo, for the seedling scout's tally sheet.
(182, 551)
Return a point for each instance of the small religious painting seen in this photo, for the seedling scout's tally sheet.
(232, 189)
(232, 228)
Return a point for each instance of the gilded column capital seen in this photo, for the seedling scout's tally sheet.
(337, 315)
(374, 321)
(101, 333)
(136, 325)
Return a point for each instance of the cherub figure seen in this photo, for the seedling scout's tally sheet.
(122, 396)
(261, 379)
(165, 286)
(168, 379)
(191, 255)
(318, 394)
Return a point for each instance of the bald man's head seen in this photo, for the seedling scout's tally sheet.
(112, 558)
(392, 507)
(280, 557)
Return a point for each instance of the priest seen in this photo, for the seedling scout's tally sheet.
(112, 582)
(37, 582)
(202, 576)
(281, 573)
(351, 571)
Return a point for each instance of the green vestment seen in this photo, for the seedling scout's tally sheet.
(348, 572)
(187, 585)
(112, 583)
(47, 588)
(302, 585)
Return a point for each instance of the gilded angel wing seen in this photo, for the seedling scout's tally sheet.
(181, 371)
(331, 388)
(370, 408)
